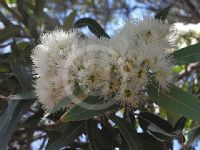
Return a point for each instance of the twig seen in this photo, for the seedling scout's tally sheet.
(188, 72)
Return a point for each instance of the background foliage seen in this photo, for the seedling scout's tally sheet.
(156, 127)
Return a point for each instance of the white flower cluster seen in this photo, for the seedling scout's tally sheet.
(49, 62)
(122, 66)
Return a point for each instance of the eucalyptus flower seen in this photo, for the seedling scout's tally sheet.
(120, 67)
(49, 59)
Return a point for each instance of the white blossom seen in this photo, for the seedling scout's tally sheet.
(49, 63)
(122, 66)
(143, 47)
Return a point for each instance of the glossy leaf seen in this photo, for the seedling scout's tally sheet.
(79, 113)
(172, 117)
(187, 55)
(147, 119)
(193, 136)
(156, 126)
(22, 96)
(74, 130)
(178, 127)
(69, 21)
(150, 143)
(90, 128)
(8, 32)
(4, 19)
(92, 25)
(10, 118)
(177, 100)
(128, 133)
(163, 13)
(61, 104)
(23, 74)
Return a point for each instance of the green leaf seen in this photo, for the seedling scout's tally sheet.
(4, 19)
(193, 136)
(130, 135)
(23, 73)
(150, 143)
(74, 130)
(69, 21)
(155, 126)
(172, 117)
(79, 113)
(11, 1)
(189, 54)
(177, 100)
(130, 118)
(163, 13)
(93, 26)
(180, 124)
(61, 104)
(90, 128)
(33, 120)
(8, 32)
(27, 95)
(9, 119)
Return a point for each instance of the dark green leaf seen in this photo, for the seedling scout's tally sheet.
(61, 104)
(79, 113)
(163, 13)
(147, 120)
(155, 125)
(50, 23)
(74, 130)
(23, 73)
(177, 100)
(193, 136)
(4, 19)
(10, 118)
(150, 143)
(93, 26)
(8, 32)
(22, 96)
(130, 135)
(189, 54)
(69, 21)
(39, 7)
(130, 118)
(172, 117)
(33, 120)
(53, 136)
(91, 132)
(178, 127)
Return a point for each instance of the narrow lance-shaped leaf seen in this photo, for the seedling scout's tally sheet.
(9, 120)
(74, 130)
(187, 55)
(155, 126)
(193, 136)
(93, 26)
(128, 133)
(176, 100)
(81, 113)
(23, 72)
(27, 95)
(8, 32)
(150, 143)
(163, 13)
(61, 104)
(178, 127)
(90, 128)
(69, 21)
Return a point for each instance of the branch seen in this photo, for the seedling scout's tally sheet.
(188, 72)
